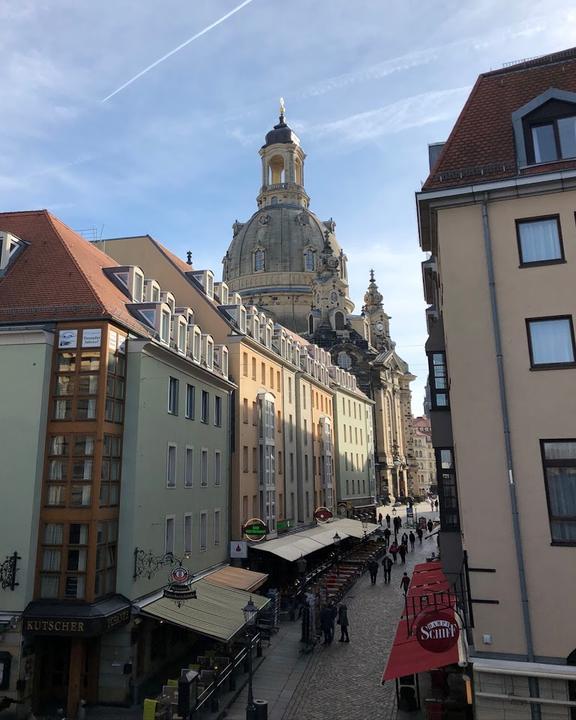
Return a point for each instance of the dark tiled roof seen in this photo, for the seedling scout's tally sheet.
(59, 276)
(481, 145)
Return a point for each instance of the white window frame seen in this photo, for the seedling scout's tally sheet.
(167, 519)
(203, 531)
(217, 468)
(204, 477)
(169, 447)
(189, 467)
(217, 529)
(188, 528)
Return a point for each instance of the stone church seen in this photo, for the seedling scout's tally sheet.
(288, 262)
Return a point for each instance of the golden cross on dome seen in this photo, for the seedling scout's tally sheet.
(282, 107)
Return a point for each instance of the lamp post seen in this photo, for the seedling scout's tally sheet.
(365, 530)
(336, 538)
(250, 612)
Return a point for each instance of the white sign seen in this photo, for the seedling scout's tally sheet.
(91, 338)
(67, 338)
(239, 549)
(112, 340)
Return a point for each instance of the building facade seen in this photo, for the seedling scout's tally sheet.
(497, 217)
(424, 476)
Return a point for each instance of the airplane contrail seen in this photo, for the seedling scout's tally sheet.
(177, 49)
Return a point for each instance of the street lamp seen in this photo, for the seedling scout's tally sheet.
(336, 538)
(250, 612)
(365, 530)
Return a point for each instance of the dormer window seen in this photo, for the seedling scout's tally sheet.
(182, 334)
(545, 128)
(259, 258)
(9, 245)
(138, 287)
(165, 327)
(242, 319)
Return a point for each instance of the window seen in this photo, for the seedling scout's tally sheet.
(559, 461)
(289, 389)
(438, 380)
(259, 259)
(253, 368)
(245, 411)
(190, 402)
(217, 527)
(189, 468)
(540, 241)
(110, 470)
(551, 342)
(254, 460)
(165, 326)
(245, 364)
(554, 140)
(278, 380)
(279, 422)
(203, 530)
(205, 407)
(447, 489)
(245, 459)
(169, 534)
(309, 261)
(187, 534)
(173, 396)
(217, 467)
(291, 428)
(204, 469)
(171, 466)
(291, 467)
(263, 373)
(217, 411)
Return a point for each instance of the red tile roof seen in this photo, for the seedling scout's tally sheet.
(481, 145)
(59, 276)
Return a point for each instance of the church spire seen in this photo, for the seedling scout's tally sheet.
(373, 298)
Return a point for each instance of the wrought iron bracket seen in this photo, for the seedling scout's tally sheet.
(148, 564)
(8, 570)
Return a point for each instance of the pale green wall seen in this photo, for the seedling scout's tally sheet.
(25, 363)
(349, 445)
(145, 499)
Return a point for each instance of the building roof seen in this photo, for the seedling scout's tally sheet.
(481, 146)
(59, 276)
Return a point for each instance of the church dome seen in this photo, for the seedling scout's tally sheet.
(284, 234)
(281, 133)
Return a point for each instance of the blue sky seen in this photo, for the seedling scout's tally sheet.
(367, 83)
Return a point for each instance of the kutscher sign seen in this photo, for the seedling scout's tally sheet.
(437, 631)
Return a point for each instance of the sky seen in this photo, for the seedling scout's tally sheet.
(367, 85)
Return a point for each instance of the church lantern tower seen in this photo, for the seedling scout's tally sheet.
(378, 320)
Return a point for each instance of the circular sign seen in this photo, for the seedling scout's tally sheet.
(322, 514)
(179, 575)
(437, 631)
(255, 529)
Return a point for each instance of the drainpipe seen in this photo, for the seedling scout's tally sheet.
(533, 682)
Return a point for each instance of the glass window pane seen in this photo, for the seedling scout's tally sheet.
(66, 362)
(544, 143)
(562, 491)
(51, 560)
(539, 240)
(560, 450)
(84, 445)
(78, 534)
(567, 133)
(49, 586)
(80, 495)
(74, 586)
(56, 494)
(441, 399)
(86, 409)
(90, 361)
(53, 534)
(88, 384)
(551, 341)
(65, 385)
(62, 410)
(446, 459)
(57, 470)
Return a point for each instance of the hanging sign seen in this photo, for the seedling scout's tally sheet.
(437, 631)
(323, 514)
(91, 337)
(255, 529)
(179, 575)
(238, 549)
(67, 338)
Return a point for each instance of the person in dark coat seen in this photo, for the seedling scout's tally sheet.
(387, 520)
(412, 539)
(327, 624)
(373, 570)
(387, 534)
(394, 551)
(430, 525)
(380, 519)
(404, 539)
(419, 533)
(402, 550)
(387, 563)
(343, 622)
(405, 583)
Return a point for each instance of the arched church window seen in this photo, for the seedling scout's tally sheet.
(344, 360)
(309, 260)
(276, 170)
(259, 259)
(339, 321)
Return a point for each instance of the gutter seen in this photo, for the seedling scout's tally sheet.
(518, 544)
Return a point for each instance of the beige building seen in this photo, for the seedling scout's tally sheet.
(423, 480)
(497, 217)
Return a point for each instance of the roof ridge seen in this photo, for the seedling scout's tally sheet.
(51, 220)
(539, 61)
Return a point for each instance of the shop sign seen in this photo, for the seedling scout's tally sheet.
(179, 575)
(323, 514)
(75, 627)
(67, 338)
(283, 525)
(238, 549)
(437, 631)
(91, 337)
(255, 529)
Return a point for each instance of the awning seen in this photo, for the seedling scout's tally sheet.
(62, 619)
(407, 656)
(238, 578)
(297, 545)
(216, 612)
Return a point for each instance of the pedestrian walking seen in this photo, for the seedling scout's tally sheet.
(394, 550)
(436, 504)
(327, 624)
(430, 525)
(405, 583)
(419, 533)
(373, 570)
(387, 534)
(343, 622)
(380, 519)
(402, 550)
(412, 539)
(387, 565)
(388, 520)
(404, 540)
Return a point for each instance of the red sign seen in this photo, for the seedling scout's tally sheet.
(437, 631)
(322, 514)
(179, 575)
